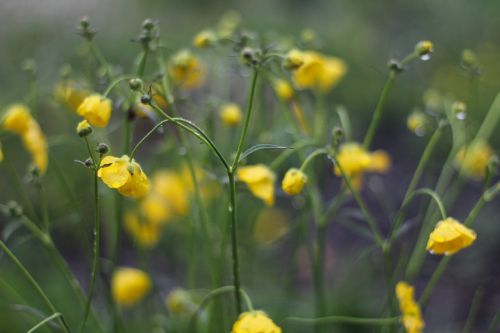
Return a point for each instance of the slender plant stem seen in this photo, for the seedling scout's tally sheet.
(234, 241)
(319, 268)
(471, 317)
(145, 137)
(35, 284)
(494, 323)
(45, 321)
(317, 152)
(344, 319)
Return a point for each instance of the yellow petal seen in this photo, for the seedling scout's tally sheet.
(114, 172)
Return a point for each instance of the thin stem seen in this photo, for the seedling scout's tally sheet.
(319, 276)
(494, 323)
(145, 137)
(45, 321)
(234, 241)
(247, 120)
(433, 280)
(113, 84)
(35, 284)
(317, 152)
(345, 319)
(471, 317)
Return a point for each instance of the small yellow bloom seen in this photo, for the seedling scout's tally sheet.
(424, 47)
(124, 175)
(179, 302)
(450, 236)
(155, 209)
(412, 316)
(17, 118)
(271, 225)
(70, 95)
(473, 160)
(230, 114)
(204, 38)
(129, 285)
(83, 128)
(96, 109)
(319, 72)
(294, 59)
(255, 322)
(380, 162)
(144, 233)
(260, 180)
(173, 190)
(283, 89)
(416, 122)
(186, 70)
(294, 181)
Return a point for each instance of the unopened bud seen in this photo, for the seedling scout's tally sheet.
(148, 24)
(83, 129)
(294, 59)
(146, 99)
(424, 47)
(102, 148)
(135, 84)
(88, 163)
(14, 209)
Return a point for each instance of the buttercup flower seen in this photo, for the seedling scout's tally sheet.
(186, 70)
(204, 39)
(70, 95)
(96, 109)
(294, 181)
(155, 209)
(319, 72)
(124, 175)
(145, 233)
(283, 90)
(255, 322)
(450, 236)
(17, 119)
(230, 114)
(294, 59)
(473, 160)
(173, 190)
(129, 285)
(412, 316)
(416, 122)
(83, 128)
(260, 180)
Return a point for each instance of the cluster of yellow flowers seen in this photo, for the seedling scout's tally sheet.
(19, 120)
(412, 316)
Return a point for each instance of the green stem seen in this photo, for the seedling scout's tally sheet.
(45, 321)
(317, 152)
(345, 319)
(35, 284)
(142, 62)
(234, 241)
(319, 276)
(494, 323)
(145, 137)
(490, 121)
(471, 317)
(115, 82)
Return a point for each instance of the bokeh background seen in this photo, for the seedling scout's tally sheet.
(366, 34)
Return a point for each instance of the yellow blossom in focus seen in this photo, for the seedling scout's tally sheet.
(144, 233)
(260, 180)
(17, 118)
(416, 122)
(450, 236)
(124, 175)
(255, 322)
(230, 114)
(473, 160)
(204, 38)
(171, 187)
(179, 302)
(283, 89)
(319, 72)
(412, 317)
(271, 225)
(129, 285)
(186, 70)
(294, 181)
(96, 109)
(70, 95)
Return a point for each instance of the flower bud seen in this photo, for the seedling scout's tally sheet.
(294, 59)
(395, 65)
(204, 39)
(85, 29)
(337, 136)
(88, 163)
(424, 48)
(102, 148)
(247, 55)
(83, 129)
(148, 24)
(135, 84)
(294, 181)
(14, 210)
(146, 99)
(459, 109)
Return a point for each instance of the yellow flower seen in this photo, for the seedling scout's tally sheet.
(186, 70)
(283, 89)
(450, 236)
(155, 209)
(204, 38)
(473, 160)
(230, 114)
(380, 162)
(271, 225)
(83, 128)
(424, 47)
(294, 59)
(145, 233)
(416, 122)
(255, 322)
(70, 95)
(260, 180)
(171, 188)
(124, 175)
(179, 302)
(319, 72)
(129, 285)
(17, 119)
(294, 181)
(96, 109)
(412, 316)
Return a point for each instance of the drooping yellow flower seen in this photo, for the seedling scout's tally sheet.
(260, 180)
(129, 285)
(70, 95)
(145, 233)
(96, 109)
(355, 160)
(255, 322)
(179, 302)
(416, 122)
(204, 38)
(230, 114)
(19, 120)
(319, 72)
(186, 70)
(124, 175)
(473, 160)
(271, 225)
(412, 316)
(171, 187)
(450, 236)
(155, 209)
(283, 90)
(294, 181)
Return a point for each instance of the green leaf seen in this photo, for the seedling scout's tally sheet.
(258, 147)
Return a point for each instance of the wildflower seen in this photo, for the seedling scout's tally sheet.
(144, 233)
(416, 122)
(230, 114)
(412, 316)
(271, 225)
(294, 181)
(96, 109)
(294, 59)
(186, 70)
(450, 236)
(83, 128)
(319, 72)
(355, 160)
(129, 285)
(424, 47)
(155, 209)
(255, 322)
(125, 175)
(283, 89)
(69, 94)
(19, 120)
(179, 302)
(260, 180)
(204, 38)
(473, 160)
(172, 189)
